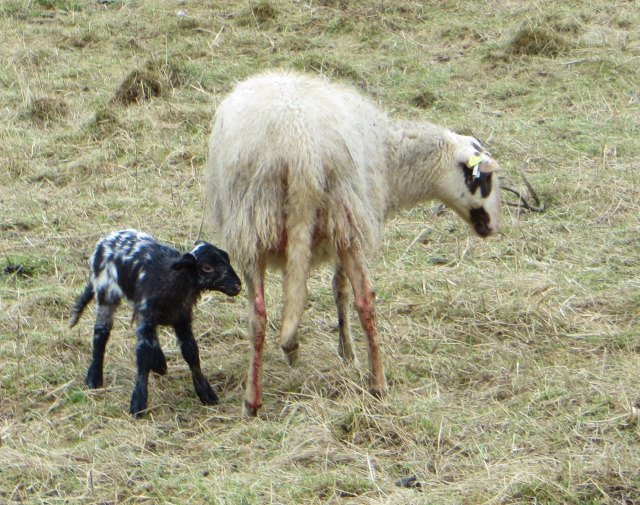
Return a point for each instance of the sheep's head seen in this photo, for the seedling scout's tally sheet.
(212, 268)
(471, 187)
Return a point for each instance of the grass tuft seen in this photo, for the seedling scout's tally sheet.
(260, 13)
(139, 85)
(424, 100)
(42, 110)
(538, 41)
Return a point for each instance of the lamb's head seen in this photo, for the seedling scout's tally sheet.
(470, 185)
(212, 268)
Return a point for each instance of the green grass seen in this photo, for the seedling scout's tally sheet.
(512, 363)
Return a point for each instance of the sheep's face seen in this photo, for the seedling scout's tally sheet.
(213, 269)
(471, 187)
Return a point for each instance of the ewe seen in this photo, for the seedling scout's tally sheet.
(301, 170)
(163, 286)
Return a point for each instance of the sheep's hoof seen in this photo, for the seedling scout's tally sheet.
(249, 410)
(290, 354)
(348, 358)
(378, 391)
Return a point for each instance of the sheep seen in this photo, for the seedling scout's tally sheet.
(163, 286)
(301, 170)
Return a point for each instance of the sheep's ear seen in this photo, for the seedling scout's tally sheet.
(187, 260)
(469, 152)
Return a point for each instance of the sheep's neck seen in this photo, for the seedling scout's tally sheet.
(415, 155)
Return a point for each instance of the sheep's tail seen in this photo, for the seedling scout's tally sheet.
(81, 303)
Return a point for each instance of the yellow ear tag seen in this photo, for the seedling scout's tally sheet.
(474, 162)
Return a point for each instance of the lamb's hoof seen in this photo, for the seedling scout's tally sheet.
(207, 395)
(160, 369)
(93, 382)
(159, 365)
(249, 410)
(290, 354)
(137, 411)
(138, 405)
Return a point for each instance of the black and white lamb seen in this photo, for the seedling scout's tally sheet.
(163, 286)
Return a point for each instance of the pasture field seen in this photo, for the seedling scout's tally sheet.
(513, 363)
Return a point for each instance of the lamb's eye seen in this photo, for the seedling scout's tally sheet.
(207, 269)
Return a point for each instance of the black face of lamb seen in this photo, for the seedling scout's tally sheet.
(214, 270)
(483, 181)
(480, 221)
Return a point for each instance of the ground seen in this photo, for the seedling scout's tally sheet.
(512, 362)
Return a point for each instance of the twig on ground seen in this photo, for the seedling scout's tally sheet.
(523, 203)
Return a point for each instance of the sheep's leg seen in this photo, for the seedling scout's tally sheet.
(365, 295)
(254, 282)
(146, 356)
(341, 297)
(191, 355)
(294, 285)
(101, 332)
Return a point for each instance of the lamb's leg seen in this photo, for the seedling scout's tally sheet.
(294, 284)
(146, 356)
(101, 332)
(364, 293)
(254, 282)
(341, 296)
(191, 355)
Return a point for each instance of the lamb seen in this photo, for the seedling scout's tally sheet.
(301, 170)
(163, 286)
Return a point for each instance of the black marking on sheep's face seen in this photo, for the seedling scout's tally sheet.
(483, 181)
(480, 221)
(214, 270)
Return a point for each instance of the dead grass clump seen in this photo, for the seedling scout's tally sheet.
(61, 5)
(80, 41)
(327, 65)
(338, 4)
(138, 86)
(260, 13)
(424, 100)
(152, 80)
(169, 72)
(537, 41)
(45, 109)
(103, 123)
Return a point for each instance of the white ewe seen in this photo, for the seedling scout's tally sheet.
(302, 170)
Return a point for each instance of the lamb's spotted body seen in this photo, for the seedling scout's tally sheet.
(163, 286)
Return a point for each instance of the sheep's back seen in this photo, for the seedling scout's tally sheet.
(285, 147)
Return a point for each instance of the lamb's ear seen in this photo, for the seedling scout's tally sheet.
(187, 260)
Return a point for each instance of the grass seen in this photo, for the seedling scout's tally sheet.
(512, 362)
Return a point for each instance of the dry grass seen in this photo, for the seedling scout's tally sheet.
(512, 363)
